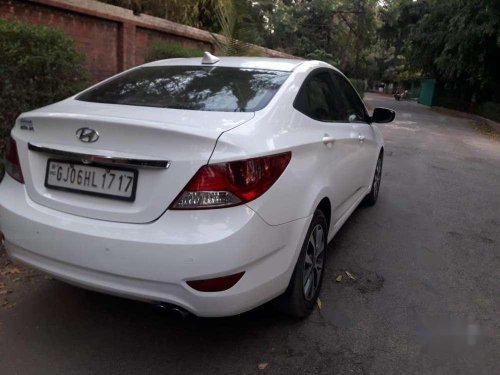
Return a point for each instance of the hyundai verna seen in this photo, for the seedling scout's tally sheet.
(212, 185)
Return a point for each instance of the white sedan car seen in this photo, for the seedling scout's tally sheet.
(207, 185)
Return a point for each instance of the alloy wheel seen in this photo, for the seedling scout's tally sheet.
(314, 262)
(377, 178)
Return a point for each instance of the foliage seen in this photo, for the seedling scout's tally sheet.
(359, 85)
(227, 16)
(250, 21)
(203, 14)
(489, 110)
(168, 50)
(388, 59)
(241, 23)
(38, 65)
(341, 29)
(454, 41)
(196, 13)
(322, 55)
(458, 40)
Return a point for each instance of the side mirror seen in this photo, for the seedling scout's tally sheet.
(383, 115)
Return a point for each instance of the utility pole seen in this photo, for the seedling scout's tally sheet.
(354, 27)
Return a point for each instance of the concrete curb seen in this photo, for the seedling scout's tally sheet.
(493, 124)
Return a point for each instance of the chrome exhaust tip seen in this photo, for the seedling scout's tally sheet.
(181, 313)
(176, 312)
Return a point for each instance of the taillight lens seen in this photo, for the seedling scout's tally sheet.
(12, 164)
(232, 183)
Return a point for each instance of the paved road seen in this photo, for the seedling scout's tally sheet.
(426, 298)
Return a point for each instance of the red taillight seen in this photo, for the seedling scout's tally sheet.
(232, 183)
(12, 164)
(218, 284)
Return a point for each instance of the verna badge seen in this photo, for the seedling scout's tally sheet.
(87, 135)
(26, 124)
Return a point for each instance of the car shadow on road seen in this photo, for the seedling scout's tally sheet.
(81, 325)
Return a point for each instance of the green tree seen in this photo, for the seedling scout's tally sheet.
(459, 41)
(239, 22)
(455, 41)
(388, 57)
(341, 30)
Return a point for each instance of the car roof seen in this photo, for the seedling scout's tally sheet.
(267, 63)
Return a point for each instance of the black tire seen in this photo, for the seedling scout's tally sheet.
(372, 196)
(296, 301)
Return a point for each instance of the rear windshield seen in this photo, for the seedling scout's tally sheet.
(191, 87)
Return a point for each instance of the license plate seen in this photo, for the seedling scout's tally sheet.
(115, 183)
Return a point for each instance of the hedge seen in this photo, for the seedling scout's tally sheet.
(359, 85)
(39, 65)
(169, 50)
(489, 110)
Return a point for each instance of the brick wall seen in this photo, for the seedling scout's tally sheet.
(112, 38)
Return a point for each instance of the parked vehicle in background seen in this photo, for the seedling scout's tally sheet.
(400, 94)
(212, 185)
(397, 94)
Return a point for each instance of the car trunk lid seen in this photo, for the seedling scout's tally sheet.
(185, 139)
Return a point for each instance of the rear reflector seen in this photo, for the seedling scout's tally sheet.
(231, 183)
(12, 164)
(218, 284)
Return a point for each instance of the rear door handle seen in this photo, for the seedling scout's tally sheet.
(328, 141)
(361, 138)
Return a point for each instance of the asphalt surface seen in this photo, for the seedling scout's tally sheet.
(425, 299)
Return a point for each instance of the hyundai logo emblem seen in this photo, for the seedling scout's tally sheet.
(87, 135)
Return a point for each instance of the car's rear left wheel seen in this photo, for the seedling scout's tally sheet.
(305, 285)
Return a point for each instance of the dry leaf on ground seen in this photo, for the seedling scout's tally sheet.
(11, 271)
(318, 302)
(339, 278)
(350, 275)
(262, 366)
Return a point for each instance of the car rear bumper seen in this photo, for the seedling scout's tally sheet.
(151, 262)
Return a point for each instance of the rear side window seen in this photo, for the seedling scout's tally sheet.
(191, 87)
(326, 96)
(355, 109)
(316, 98)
